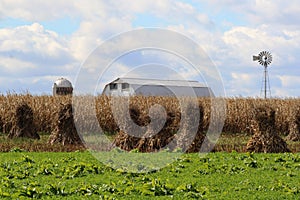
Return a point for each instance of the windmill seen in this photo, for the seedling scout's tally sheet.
(264, 58)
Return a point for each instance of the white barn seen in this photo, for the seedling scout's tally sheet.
(155, 87)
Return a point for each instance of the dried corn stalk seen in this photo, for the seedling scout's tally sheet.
(266, 139)
(23, 123)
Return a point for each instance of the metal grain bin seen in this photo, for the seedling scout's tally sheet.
(62, 86)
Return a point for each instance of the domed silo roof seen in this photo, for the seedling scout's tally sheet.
(62, 82)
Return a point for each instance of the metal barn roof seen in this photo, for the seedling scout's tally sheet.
(140, 81)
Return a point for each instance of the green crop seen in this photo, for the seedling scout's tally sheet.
(79, 175)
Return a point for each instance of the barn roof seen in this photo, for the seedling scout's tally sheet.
(141, 81)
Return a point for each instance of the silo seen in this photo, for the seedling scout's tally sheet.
(62, 86)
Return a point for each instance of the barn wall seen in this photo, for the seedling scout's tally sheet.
(118, 92)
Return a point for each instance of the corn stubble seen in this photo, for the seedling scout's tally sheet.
(23, 123)
(239, 118)
(294, 128)
(65, 131)
(266, 138)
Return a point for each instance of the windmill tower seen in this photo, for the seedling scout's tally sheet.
(264, 58)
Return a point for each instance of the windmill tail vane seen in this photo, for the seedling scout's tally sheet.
(255, 58)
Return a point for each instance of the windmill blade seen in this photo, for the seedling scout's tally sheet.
(264, 58)
(270, 59)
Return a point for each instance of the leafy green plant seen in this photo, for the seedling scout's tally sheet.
(214, 176)
(31, 192)
(17, 149)
(57, 189)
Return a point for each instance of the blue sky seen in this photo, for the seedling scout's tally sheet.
(43, 40)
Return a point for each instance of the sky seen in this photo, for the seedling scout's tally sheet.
(41, 41)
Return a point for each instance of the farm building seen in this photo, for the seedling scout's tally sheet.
(62, 86)
(155, 87)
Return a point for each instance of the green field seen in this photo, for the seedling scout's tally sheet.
(34, 169)
(79, 175)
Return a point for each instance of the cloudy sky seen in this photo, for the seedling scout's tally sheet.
(43, 40)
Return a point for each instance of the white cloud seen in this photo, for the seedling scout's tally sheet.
(12, 66)
(100, 20)
(243, 42)
(25, 42)
(247, 84)
(28, 53)
(285, 92)
(277, 13)
(92, 33)
(290, 81)
(36, 10)
(266, 25)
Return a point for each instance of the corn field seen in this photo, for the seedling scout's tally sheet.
(239, 111)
